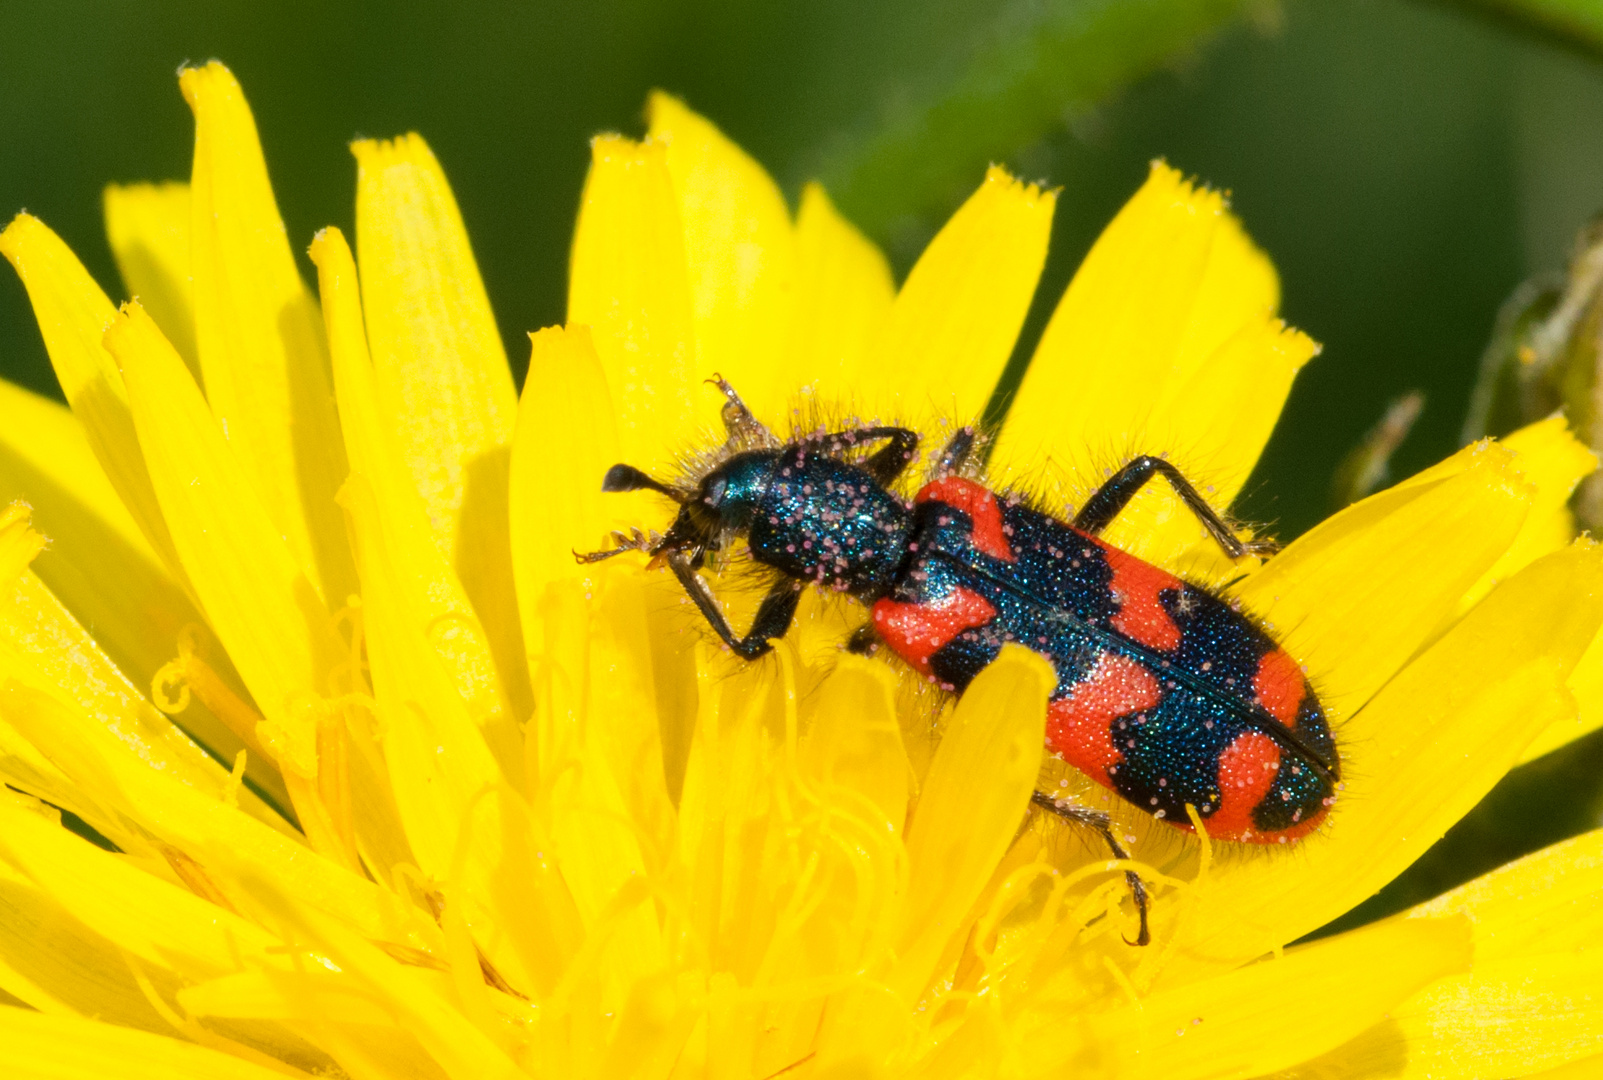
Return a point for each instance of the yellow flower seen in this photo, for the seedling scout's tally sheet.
(543, 828)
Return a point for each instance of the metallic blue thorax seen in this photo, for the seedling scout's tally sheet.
(825, 520)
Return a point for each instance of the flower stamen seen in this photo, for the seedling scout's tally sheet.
(321, 801)
(189, 675)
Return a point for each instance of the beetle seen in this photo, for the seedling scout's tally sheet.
(1166, 693)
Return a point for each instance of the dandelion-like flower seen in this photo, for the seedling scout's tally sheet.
(323, 757)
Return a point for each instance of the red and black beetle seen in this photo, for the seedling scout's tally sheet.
(1166, 693)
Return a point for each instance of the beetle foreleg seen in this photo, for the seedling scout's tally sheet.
(745, 430)
(774, 614)
(634, 540)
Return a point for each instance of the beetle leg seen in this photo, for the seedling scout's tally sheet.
(1098, 820)
(887, 463)
(864, 641)
(1115, 494)
(884, 464)
(633, 540)
(744, 429)
(774, 614)
(956, 454)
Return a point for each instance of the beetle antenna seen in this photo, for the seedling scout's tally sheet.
(628, 478)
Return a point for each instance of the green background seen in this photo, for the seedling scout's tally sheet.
(1405, 164)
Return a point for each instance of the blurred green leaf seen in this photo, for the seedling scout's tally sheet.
(1577, 23)
(1045, 61)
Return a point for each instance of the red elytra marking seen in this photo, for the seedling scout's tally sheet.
(917, 631)
(1136, 586)
(1247, 770)
(1080, 726)
(1280, 686)
(979, 504)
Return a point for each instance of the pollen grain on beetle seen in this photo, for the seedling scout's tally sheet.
(840, 749)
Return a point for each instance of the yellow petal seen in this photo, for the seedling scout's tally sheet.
(301, 996)
(855, 741)
(843, 295)
(1586, 683)
(794, 884)
(56, 964)
(39, 1046)
(1416, 758)
(409, 994)
(46, 458)
(355, 1036)
(72, 314)
(1546, 902)
(371, 441)
(1519, 1016)
(98, 563)
(45, 648)
(148, 227)
(19, 544)
(629, 282)
(954, 322)
(1237, 1024)
(1357, 595)
(1553, 462)
(448, 784)
(437, 355)
(557, 511)
(845, 806)
(413, 689)
(590, 762)
(195, 819)
(970, 807)
(207, 829)
(1530, 1003)
(1172, 287)
(441, 373)
(254, 591)
(259, 337)
(1247, 379)
(1579, 1069)
(739, 247)
(160, 923)
(25, 769)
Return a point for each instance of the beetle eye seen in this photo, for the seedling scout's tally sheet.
(715, 492)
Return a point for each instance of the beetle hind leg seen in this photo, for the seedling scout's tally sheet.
(1085, 817)
(1115, 494)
